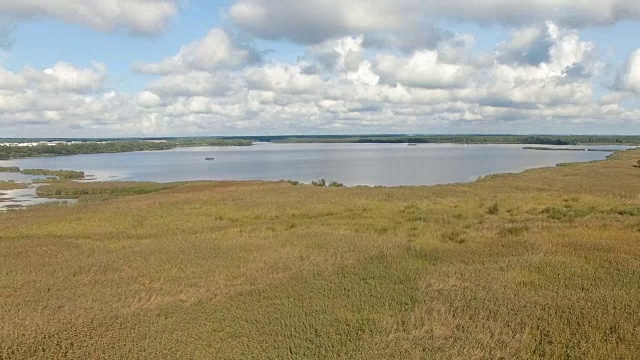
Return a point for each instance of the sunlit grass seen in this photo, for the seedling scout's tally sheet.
(11, 185)
(542, 264)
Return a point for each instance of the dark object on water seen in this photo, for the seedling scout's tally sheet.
(209, 159)
(412, 144)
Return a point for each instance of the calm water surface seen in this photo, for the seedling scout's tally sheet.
(351, 164)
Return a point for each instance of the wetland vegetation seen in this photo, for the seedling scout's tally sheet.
(541, 264)
(11, 185)
(110, 146)
(58, 174)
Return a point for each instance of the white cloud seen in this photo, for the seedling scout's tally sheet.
(613, 98)
(283, 78)
(567, 50)
(315, 21)
(543, 74)
(138, 16)
(66, 77)
(60, 78)
(344, 58)
(529, 46)
(194, 84)
(11, 81)
(567, 12)
(343, 54)
(216, 51)
(629, 76)
(423, 69)
(409, 22)
(148, 99)
(60, 100)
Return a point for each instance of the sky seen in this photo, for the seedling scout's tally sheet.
(119, 68)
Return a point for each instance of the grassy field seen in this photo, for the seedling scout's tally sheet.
(543, 264)
(10, 185)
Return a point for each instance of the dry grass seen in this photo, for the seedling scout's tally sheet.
(543, 264)
(10, 185)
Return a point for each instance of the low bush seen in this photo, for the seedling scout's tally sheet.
(60, 174)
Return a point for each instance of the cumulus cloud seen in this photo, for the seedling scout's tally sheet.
(138, 16)
(63, 100)
(344, 58)
(402, 23)
(529, 46)
(347, 91)
(216, 51)
(339, 54)
(572, 13)
(11, 81)
(414, 36)
(386, 24)
(338, 85)
(61, 77)
(65, 77)
(283, 78)
(148, 99)
(344, 80)
(423, 69)
(545, 83)
(629, 76)
(205, 78)
(314, 21)
(195, 84)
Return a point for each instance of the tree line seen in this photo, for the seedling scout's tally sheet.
(13, 152)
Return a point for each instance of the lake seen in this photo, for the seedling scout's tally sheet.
(351, 164)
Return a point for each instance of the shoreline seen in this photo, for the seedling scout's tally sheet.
(36, 148)
(71, 198)
(546, 148)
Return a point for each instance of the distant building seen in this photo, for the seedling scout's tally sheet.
(31, 144)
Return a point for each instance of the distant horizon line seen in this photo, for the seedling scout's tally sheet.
(290, 136)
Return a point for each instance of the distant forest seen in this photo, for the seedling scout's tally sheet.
(98, 146)
(115, 146)
(463, 139)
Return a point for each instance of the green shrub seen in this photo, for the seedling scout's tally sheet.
(321, 182)
(493, 209)
(60, 174)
